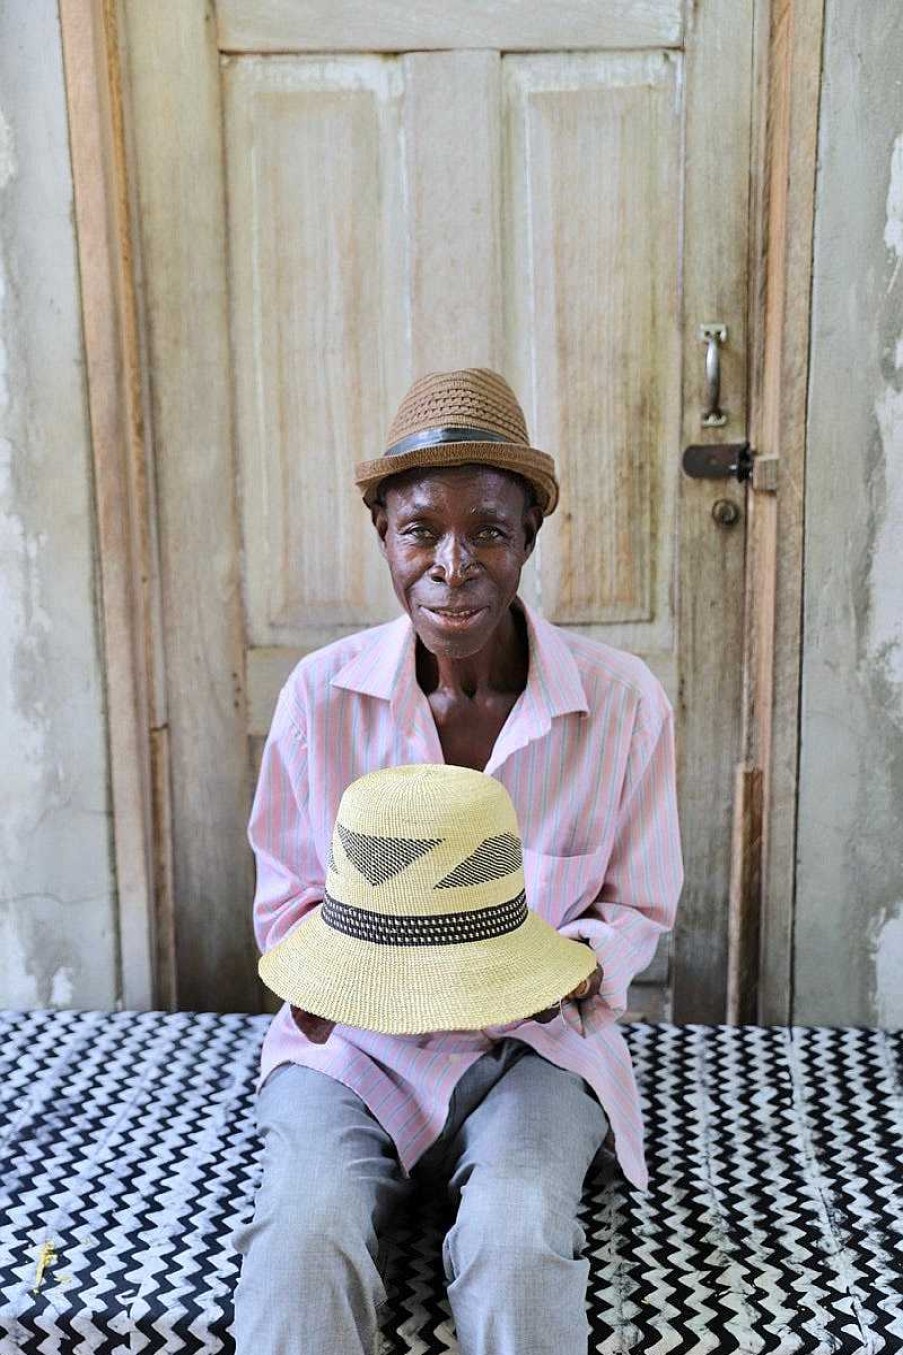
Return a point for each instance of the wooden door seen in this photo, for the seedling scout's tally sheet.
(333, 198)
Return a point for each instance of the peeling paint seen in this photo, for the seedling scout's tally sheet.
(885, 641)
(7, 169)
(43, 949)
(21, 991)
(7, 173)
(23, 626)
(7, 152)
(893, 231)
(61, 987)
(888, 953)
(4, 379)
(885, 630)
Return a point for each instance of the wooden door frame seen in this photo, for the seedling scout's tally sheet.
(763, 868)
(129, 602)
(788, 44)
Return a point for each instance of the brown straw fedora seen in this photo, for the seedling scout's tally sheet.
(456, 418)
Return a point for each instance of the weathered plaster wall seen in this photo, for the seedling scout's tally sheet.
(57, 917)
(849, 916)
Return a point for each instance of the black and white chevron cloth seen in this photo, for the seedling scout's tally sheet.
(774, 1221)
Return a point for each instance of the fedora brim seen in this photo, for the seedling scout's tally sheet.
(412, 990)
(535, 466)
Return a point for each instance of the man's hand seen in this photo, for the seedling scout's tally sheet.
(316, 1028)
(588, 988)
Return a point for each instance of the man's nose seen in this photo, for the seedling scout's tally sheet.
(453, 561)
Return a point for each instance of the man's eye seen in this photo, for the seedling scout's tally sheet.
(490, 533)
(418, 531)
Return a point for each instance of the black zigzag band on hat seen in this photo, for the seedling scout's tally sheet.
(442, 929)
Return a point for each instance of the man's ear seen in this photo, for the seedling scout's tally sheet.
(380, 519)
(532, 521)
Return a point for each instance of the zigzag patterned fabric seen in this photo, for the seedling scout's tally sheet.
(774, 1221)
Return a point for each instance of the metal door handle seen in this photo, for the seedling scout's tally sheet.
(712, 335)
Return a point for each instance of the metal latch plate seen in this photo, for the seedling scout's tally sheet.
(718, 460)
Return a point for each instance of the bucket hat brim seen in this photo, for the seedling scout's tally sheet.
(388, 988)
(535, 466)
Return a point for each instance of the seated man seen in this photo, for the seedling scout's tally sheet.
(581, 735)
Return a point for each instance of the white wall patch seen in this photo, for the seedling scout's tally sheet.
(889, 970)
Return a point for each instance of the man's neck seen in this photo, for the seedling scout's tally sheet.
(500, 666)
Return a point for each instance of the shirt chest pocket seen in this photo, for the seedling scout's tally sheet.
(559, 888)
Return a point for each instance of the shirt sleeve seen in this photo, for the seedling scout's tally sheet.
(643, 880)
(289, 874)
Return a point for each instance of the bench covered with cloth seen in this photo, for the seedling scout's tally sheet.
(773, 1222)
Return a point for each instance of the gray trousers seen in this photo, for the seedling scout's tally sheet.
(520, 1136)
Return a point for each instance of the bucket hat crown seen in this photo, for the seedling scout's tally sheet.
(454, 418)
(424, 925)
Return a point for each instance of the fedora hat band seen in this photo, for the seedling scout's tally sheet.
(440, 929)
(432, 437)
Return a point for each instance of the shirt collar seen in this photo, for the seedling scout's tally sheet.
(382, 663)
(384, 667)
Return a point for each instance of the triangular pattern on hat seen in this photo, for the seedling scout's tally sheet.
(379, 858)
(495, 857)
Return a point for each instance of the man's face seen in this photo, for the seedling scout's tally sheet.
(456, 540)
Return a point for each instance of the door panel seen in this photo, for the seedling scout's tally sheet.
(326, 210)
(315, 202)
(592, 179)
(397, 25)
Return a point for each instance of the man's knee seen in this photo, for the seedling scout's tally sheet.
(310, 1260)
(511, 1228)
(326, 1215)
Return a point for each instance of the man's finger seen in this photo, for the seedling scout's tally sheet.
(589, 987)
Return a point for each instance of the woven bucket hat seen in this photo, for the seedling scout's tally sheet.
(452, 418)
(425, 924)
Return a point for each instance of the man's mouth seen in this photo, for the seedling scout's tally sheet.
(455, 614)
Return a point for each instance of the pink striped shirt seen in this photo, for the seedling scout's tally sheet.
(587, 756)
